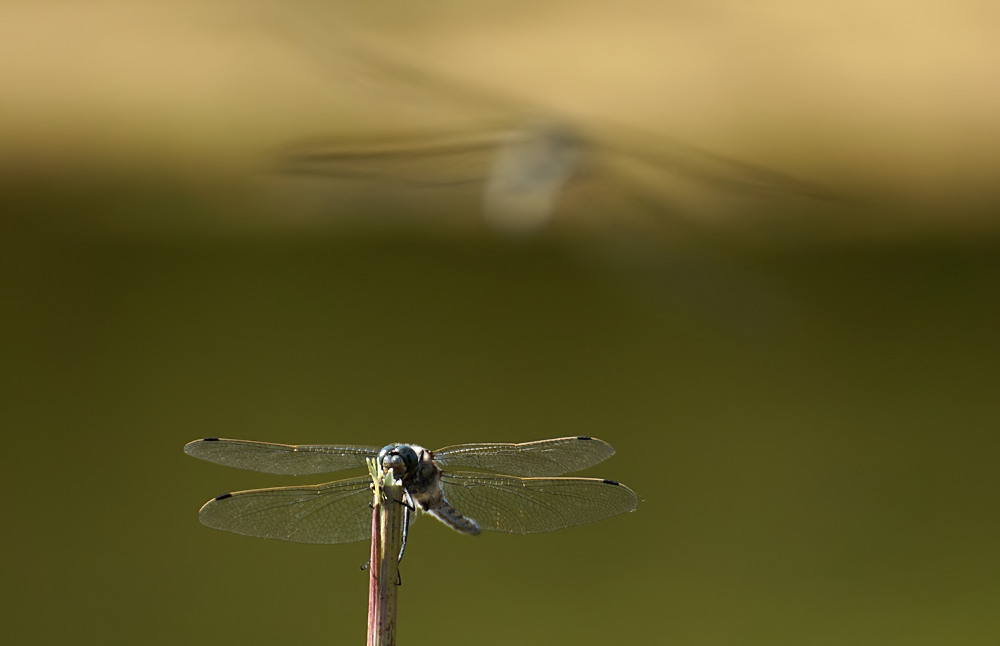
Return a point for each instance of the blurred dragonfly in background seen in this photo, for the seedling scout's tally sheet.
(526, 162)
(508, 488)
(669, 214)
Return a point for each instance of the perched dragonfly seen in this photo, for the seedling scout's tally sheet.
(508, 488)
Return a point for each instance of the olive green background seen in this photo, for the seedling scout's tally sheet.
(808, 413)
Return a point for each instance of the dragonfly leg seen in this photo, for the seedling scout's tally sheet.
(408, 508)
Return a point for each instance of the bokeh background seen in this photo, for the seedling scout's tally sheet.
(806, 403)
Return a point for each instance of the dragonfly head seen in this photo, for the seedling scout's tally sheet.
(401, 459)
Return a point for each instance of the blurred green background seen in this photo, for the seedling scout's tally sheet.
(807, 409)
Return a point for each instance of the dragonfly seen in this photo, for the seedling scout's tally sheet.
(529, 163)
(501, 487)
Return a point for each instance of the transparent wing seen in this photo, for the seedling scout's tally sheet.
(335, 512)
(532, 505)
(284, 459)
(542, 458)
(716, 171)
(433, 159)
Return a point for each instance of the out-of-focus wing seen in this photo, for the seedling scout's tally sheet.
(433, 159)
(542, 458)
(533, 505)
(335, 512)
(284, 459)
(717, 172)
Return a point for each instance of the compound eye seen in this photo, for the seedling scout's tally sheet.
(386, 450)
(408, 456)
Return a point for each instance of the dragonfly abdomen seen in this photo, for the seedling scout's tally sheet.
(443, 511)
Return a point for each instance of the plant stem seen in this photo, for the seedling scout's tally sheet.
(387, 539)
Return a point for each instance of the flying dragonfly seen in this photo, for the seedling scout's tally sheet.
(507, 488)
(526, 161)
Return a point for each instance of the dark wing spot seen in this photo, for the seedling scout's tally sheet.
(211, 439)
(583, 437)
(612, 482)
(229, 495)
